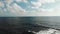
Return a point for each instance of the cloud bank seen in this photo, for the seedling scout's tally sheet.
(30, 7)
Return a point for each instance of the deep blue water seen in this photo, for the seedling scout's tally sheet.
(20, 24)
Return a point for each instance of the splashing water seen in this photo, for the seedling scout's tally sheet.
(49, 31)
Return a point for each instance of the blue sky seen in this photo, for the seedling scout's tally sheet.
(29, 7)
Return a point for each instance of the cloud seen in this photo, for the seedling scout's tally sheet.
(1, 7)
(43, 11)
(8, 1)
(25, 1)
(46, 12)
(40, 3)
(16, 10)
(1, 4)
(18, 0)
(47, 1)
(21, 1)
(36, 4)
(13, 9)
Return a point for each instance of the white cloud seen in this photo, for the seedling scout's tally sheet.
(47, 10)
(25, 1)
(36, 4)
(1, 4)
(16, 10)
(47, 1)
(21, 1)
(50, 1)
(18, 0)
(40, 2)
(9, 1)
